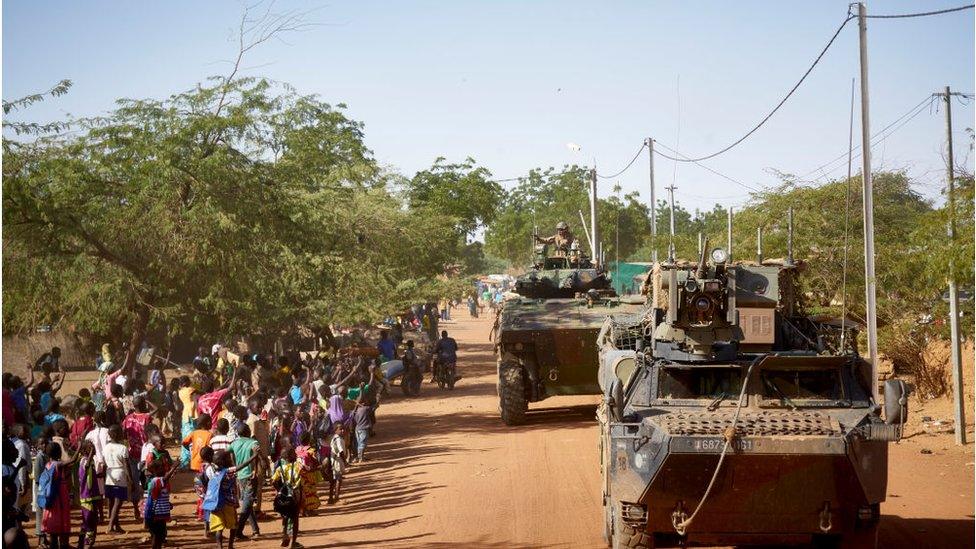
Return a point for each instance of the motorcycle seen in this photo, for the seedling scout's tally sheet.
(445, 372)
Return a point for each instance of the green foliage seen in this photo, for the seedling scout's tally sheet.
(541, 199)
(235, 207)
(464, 192)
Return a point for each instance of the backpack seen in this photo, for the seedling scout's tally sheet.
(284, 500)
(47, 487)
(213, 499)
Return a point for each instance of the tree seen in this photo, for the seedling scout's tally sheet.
(235, 207)
(463, 192)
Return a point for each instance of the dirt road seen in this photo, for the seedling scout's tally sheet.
(444, 471)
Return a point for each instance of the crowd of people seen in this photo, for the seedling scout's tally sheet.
(236, 423)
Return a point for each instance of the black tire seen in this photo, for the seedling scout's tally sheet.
(451, 378)
(511, 394)
(626, 536)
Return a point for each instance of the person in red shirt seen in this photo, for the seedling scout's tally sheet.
(134, 426)
(211, 402)
(83, 424)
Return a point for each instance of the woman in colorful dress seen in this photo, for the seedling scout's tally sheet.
(56, 519)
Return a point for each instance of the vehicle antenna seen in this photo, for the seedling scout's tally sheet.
(759, 257)
(847, 222)
(671, 189)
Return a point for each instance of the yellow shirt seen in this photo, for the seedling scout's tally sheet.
(189, 406)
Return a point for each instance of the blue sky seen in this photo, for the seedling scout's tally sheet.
(511, 83)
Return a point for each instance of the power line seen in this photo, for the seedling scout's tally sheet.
(684, 158)
(627, 167)
(910, 112)
(878, 139)
(782, 102)
(922, 14)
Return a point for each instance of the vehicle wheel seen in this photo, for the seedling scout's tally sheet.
(511, 394)
(626, 536)
(451, 378)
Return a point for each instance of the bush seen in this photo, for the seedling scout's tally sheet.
(916, 350)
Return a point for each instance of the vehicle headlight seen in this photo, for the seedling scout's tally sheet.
(719, 255)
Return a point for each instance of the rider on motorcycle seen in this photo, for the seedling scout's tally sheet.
(446, 352)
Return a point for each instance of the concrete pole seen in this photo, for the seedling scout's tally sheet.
(870, 281)
(650, 159)
(957, 386)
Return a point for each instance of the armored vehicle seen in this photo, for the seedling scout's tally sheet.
(731, 417)
(545, 335)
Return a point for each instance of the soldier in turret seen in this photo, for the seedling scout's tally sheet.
(563, 239)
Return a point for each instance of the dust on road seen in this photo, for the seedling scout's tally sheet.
(444, 471)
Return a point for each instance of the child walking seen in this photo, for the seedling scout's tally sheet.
(338, 460)
(89, 494)
(222, 497)
(158, 505)
(287, 480)
(118, 476)
(56, 519)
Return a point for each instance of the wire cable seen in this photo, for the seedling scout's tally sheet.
(878, 140)
(627, 167)
(782, 101)
(922, 14)
(910, 113)
(700, 165)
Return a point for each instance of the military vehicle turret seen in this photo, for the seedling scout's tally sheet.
(731, 417)
(545, 336)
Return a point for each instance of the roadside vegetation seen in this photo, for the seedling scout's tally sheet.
(241, 207)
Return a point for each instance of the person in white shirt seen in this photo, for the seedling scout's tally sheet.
(338, 461)
(221, 441)
(118, 477)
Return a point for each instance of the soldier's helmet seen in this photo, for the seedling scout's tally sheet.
(562, 226)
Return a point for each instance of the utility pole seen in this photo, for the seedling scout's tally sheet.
(870, 281)
(650, 159)
(957, 388)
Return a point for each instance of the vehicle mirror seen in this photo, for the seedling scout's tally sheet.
(895, 402)
(617, 393)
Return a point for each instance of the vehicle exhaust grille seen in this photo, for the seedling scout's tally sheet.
(761, 424)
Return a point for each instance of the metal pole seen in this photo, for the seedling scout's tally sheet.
(594, 230)
(957, 386)
(650, 158)
(589, 239)
(671, 209)
(789, 237)
(699, 244)
(759, 245)
(870, 282)
(729, 242)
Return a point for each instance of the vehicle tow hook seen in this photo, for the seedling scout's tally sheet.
(825, 518)
(678, 518)
(553, 374)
